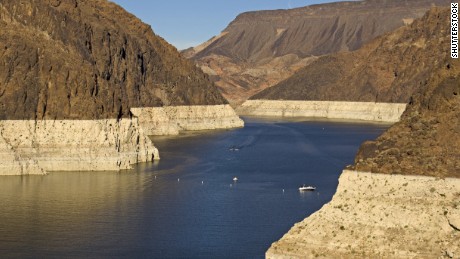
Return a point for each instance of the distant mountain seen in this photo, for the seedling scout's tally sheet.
(89, 59)
(427, 139)
(259, 49)
(388, 69)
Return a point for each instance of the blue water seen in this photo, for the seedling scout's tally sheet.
(186, 205)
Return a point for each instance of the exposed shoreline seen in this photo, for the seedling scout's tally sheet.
(380, 216)
(38, 147)
(364, 111)
(171, 120)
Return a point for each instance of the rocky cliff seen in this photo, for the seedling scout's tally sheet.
(363, 111)
(410, 65)
(38, 147)
(172, 120)
(403, 200)
(427, 139)
(259, 49)
(70, 73)
(87, 59)
(388, 69)
(380, 216)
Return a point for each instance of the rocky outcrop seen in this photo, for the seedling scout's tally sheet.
(11, 163)
(70, 72)
(426, 141)
(171, 120)
(259, 49)
(408, 205)
(366, 111)
(89, 59)
(389, 69)
(379, 216)
(38, 147)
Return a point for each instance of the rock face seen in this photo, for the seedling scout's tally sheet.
(89, 59)
(406, 205)
(70, 72)
(38, 147)
(259, 49)
(173, 119)
(426, 141)
(388, 69)
(379, 216)
(366, 111)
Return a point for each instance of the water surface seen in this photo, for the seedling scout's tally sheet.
(186, 205)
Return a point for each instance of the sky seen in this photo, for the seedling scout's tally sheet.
(188, 23)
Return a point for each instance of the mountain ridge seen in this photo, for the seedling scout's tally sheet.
(387, 69)
(121, 63)
(260, 49)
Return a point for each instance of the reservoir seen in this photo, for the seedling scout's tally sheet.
(187, 204)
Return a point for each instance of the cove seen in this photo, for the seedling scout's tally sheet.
(186, 205)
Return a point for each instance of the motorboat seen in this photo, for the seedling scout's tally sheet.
(306, 188)
(235, 178)
(234, 148)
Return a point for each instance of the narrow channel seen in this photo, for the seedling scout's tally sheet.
(187, 204)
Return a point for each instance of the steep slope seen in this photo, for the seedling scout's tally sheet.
(88, 59)
(72, 71)
(402, 199)
(259, 49)
(388, 69)
(427, 139)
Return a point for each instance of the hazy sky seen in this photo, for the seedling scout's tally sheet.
(186, 23)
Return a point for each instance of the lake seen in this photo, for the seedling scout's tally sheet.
(187, 204)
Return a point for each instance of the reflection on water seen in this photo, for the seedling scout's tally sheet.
(186, 205)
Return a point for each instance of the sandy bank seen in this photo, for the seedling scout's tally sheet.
(380, 216)
(171, 120)
(366, 111)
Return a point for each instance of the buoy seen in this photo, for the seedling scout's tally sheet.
(202, 182)
(178, 179)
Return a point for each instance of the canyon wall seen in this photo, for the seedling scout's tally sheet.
(42, 146)
(407, 206)
(38, 147)
(259, 49)
(380, 216)
(89, 59)
(366, 111)
(389, 69)
(70, 72)
(170, 120)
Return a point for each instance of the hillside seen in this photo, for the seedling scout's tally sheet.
(259, 49)
(89, 59)
(426, 141)
(401, 200)
(83, 84)
(388, 69)
(411, 65)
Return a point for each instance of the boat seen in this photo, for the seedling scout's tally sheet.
(306, 188)
(235, 178)
(234, 148)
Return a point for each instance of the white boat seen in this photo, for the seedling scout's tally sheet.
(235, 178)
(234, 148)
(306, 188)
